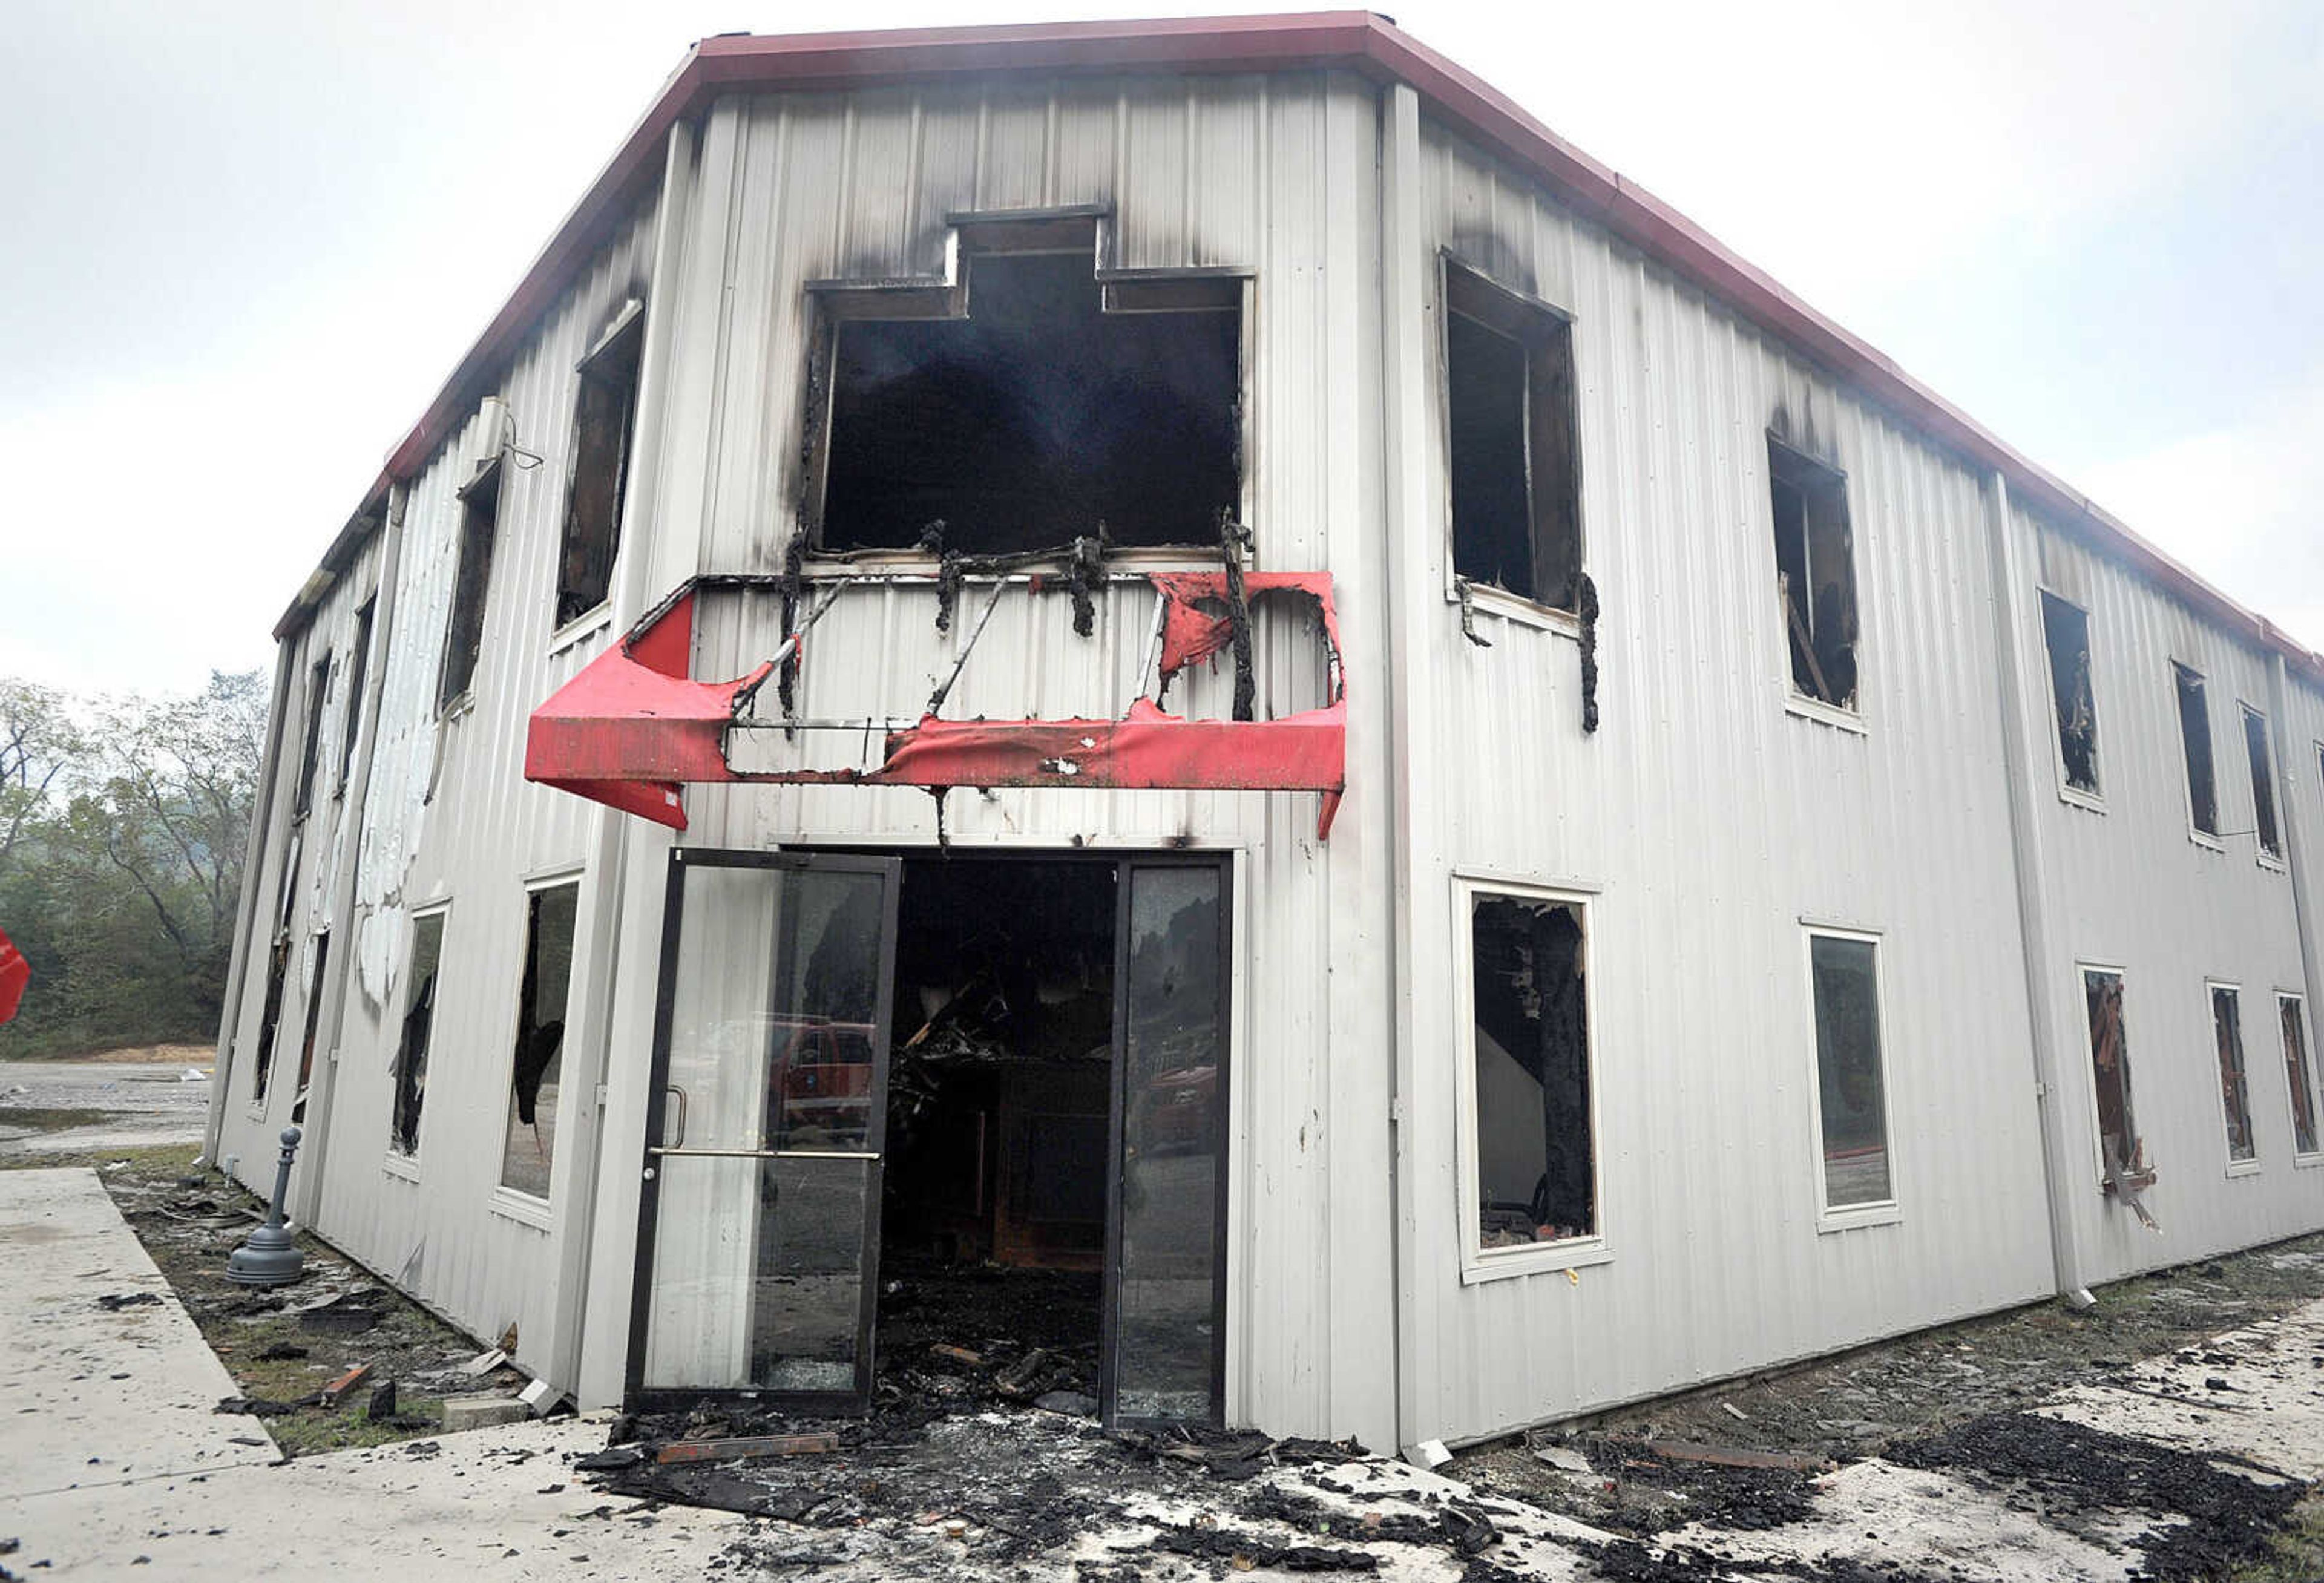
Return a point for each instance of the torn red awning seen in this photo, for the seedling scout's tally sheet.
(631, 728)
(15, 972)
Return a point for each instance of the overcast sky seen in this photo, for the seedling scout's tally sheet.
(248, 240)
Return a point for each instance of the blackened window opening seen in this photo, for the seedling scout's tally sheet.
(351, 711)
(2118, 1141)
(1535, 1173)
(2066, 630)
(315, 982)
(464, 632)
(411, 1075)
(2297, 1074)
(1511, 451)
(605, 419)
(2235, 1094)
(318, 686)
(2195, 737)
(2263, 779)
(278, 965)
(1034, 420)
(536, 1066)
(1815, 574)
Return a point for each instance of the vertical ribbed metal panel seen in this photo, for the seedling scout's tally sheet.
(1276, 176)
(450, 818)
(1711, 821)
(2135, 890)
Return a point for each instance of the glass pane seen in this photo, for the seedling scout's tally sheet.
(1535, 1172)
(1173, 1144)
(757, 1261)
(1847, 1072)
(538, 1061)
(2295, 1068)
(2227, 1032)
(418, 1024)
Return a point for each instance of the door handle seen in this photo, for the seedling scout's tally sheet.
(680, 1141)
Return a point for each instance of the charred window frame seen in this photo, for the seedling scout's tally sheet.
(278, 969)
(2195, 743)
(1530, 1187)
(1815, 574)
(2235, 1084)
(1030, 397)
(2124, 1169)
(1855, 1167)
(2073, 697)
(604, 427)
(318, 690)
(1512, 467)
(351, 710)
(314, 1014)
(464, 625)
(408, 1075)
(2299, 1076)
(535, 1059)
(2260, 755)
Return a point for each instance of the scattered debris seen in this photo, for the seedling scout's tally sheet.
(114, 1302)
(345, 1382)
(382, 1408)
(742, 1448)
(482, 1411)
(484, 1363)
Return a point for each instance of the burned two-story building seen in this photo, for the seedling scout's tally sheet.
(1183, 684)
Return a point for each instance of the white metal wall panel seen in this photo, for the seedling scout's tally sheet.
(1276, 176)
(2133, 890)
(449, 818)
(1715, 822)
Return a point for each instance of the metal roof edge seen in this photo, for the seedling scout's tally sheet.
(1348, 39)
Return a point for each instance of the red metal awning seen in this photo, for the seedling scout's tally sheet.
(15, 972)
(632, 728)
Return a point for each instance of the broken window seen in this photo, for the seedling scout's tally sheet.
(2235, 1097)
(314, 1020)
(358, 662)
(604, 418)
(278, 968)
(1515, 484)
(463, 631)
(410, 1080)
(1041, 415)
(2300, 1076)
(1536, 1175)
(1851, 1101)
(2195, 735)
(2066, 630)
(2122, 1153)
(318, 685)
(1815, 574)
(2263, 777)
(537, 1060)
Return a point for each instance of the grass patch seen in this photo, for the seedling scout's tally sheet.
(2299, 1555)
(34, 1119)
(167, 1161)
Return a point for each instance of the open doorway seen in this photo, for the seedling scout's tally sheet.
(942, 1130)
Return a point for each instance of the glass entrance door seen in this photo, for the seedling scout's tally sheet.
(758, 1249)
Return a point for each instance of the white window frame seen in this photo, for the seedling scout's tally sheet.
(2068, 793)
(507, 1201)
(2315, 1156)
(2245, 714)
(1885, 1212)
(393, 1160)
(2090, 1071)
(1479, 1263)
(2201, 837)
(2235, 1167)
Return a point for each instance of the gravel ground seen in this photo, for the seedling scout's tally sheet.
(140, 1102)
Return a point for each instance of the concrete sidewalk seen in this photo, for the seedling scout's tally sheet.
(112, 1456)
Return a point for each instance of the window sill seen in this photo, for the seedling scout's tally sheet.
(2308, 1162)
(457, 708)
(1524, 613)
(2272, 865)
(588, 624)
(1823, 713)
(2088, 802)
(2210, 843)
(1855, 1217)
(404, 1165)
(1542, 1259)
(522, 1207)
(2243, 1168)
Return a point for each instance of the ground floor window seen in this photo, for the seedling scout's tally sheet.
(2122, 1156)
(409, 1083)
(1534, 1160)
(2234, 1096)
(2297, 1073)
(1851, 1089)
(537, 1060)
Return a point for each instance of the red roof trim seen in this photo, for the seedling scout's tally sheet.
(1347, 40)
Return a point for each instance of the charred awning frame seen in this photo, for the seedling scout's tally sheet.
(632, 727)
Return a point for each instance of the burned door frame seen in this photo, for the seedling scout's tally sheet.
(634, 1394)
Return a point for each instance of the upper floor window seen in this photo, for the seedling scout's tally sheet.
(358, 668)
(2195, 738)
(1511, 442)
(2066, 630)
(1046, 404)
(2263, 779)
(1815, 574)
(464, 629)
(318, 688)
(605, 417)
